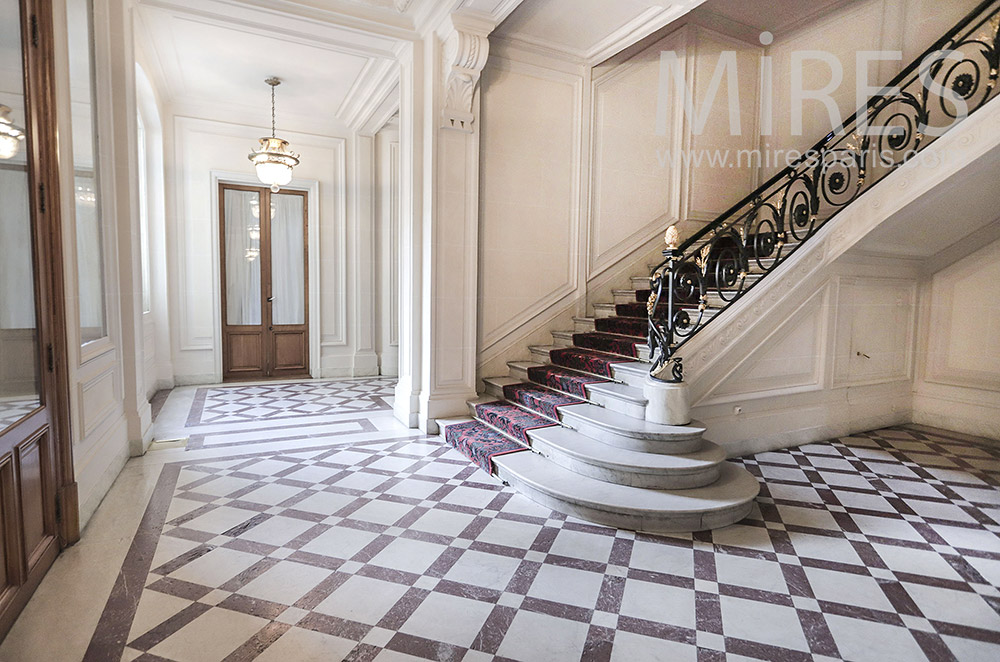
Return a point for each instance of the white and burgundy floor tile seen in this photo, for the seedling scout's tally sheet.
(256, 402)
(883, 546)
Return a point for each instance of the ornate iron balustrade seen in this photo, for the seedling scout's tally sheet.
(951, 80)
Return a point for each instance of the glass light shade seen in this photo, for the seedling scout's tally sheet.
(8, 146)
(10, 135)
(274, 161)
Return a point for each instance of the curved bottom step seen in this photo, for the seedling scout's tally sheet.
(722, 503)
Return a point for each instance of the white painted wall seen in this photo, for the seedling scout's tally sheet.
(833, 358)
(109, 413)
(201, 147)
(387, 247)
(958, 378)
(530, 198)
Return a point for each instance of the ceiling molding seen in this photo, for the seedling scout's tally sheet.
(291, 21)
(632, 31)
(371, 89)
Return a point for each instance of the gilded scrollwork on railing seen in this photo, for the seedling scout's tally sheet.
(700, 277)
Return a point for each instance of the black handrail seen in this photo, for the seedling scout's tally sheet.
(797, 201)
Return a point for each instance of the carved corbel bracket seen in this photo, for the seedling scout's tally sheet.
(465, 55)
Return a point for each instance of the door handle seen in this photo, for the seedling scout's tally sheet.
(270, 299)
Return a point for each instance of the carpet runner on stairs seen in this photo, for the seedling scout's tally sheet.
(538, 399)
(511, 419)
(563, 380)
(586, 360)
(638, 310)
(626, 326)
(612, 344)
(480, 444)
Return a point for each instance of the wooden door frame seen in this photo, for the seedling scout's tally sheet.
(266, 292)
(50, 266)
(60, 502)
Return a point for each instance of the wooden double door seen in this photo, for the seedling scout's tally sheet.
(265, 283)
(38, 507)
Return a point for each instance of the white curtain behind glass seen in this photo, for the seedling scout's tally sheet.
(242, 264)
(17, 297)
(288, 260)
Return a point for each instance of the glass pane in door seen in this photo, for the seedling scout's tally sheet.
(288, 257)
(87, 199)
(242, 238)
(19, 365)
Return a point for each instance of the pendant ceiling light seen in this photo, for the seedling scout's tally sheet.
(273, 160)
(10, 135)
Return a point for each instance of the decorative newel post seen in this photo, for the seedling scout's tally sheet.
(667, 400)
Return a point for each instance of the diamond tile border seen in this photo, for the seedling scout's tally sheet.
(256, 402)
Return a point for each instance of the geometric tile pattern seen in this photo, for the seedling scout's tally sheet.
(13, 410)
(241, 404)
(882, 546)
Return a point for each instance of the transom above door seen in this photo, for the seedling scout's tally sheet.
(265, 283)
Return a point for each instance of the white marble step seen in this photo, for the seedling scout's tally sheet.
(634, 434)
(612, 395)
(588, 457)
(584, 324)
(634, 373)
(605, 310)
(621, 398)
(640, 282)
(519, 369)
(563, 338)
(625, 296)
(724, 502)
(540, 353)
(494, 385)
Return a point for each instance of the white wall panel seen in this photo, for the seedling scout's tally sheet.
(874, 330)
(958, 387)
(633, 194)
(204, 147)
(529, 199)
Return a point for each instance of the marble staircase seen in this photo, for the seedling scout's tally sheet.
(577, 410)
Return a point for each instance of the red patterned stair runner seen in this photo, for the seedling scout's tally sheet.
(539, 399)
(511, 419)
(613, 344)
(480, 444)
(562, 379)
(625, 326)
(585, 360)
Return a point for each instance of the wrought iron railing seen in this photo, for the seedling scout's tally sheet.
(952, 79)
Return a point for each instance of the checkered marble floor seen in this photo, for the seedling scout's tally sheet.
(882, 546)
(241, 404)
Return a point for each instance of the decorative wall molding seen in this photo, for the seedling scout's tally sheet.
(194, 244)
(465, 54)
(809, 323)
(571, 285)
(669, 213)
(632, 31)
(873, 348)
